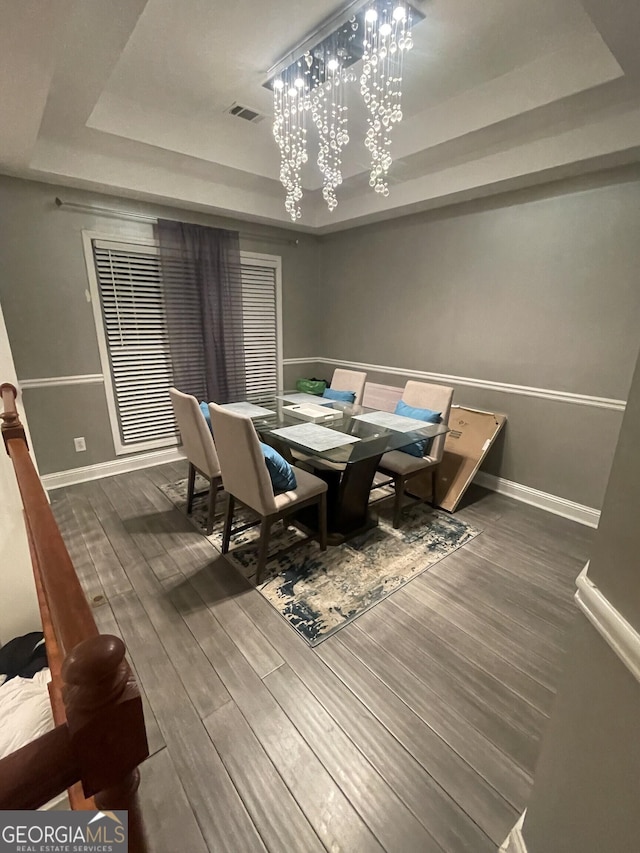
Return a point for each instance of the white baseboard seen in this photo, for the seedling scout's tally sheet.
(514, 842)
(551, 503)
(107, 469)
(612, 626)
(586, 515)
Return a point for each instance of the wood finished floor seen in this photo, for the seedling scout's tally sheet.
(415, 728)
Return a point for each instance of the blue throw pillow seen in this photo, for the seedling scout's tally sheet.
(282, 476)
(204, 408)
(418, 448)
(342, 396)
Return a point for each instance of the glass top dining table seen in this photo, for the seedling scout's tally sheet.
(348, 434)
(344, 448)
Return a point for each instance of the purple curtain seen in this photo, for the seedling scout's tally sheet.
(203, 304)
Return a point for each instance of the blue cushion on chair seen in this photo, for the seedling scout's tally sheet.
(282, 475)
(204, 408)
(342, 396)
(417, 448)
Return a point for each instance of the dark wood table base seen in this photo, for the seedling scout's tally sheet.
(348, 513)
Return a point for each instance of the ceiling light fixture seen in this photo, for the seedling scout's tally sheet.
(313, 79)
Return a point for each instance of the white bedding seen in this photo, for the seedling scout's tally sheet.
(25, 710)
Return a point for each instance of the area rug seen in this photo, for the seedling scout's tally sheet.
(319, 593)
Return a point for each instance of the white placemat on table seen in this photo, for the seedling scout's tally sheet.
(397, 423)
(315, 437)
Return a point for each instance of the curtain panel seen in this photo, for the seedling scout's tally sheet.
(203, 303)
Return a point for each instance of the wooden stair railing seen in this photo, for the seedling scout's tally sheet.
(100, 736)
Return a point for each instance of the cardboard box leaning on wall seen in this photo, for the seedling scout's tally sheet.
(471, 434)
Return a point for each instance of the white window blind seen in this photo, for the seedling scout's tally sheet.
(260, 329)
(132, 301)
(134, 342)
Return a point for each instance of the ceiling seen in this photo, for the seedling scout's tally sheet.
(498, 94)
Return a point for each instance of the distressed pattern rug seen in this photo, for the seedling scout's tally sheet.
(319, 593)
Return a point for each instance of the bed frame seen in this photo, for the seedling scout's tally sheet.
(99, 737)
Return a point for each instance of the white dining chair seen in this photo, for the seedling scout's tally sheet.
(199, 448)
(246, 479)
(349, 380)
(401, 467)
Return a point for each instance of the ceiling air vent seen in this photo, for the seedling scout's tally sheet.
(245, 112)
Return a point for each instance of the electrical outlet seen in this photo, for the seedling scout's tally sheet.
(80, 444)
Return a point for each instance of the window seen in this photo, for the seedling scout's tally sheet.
(260, 319)
(128, 296)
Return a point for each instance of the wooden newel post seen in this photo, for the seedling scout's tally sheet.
(11, 424)
(106, 725)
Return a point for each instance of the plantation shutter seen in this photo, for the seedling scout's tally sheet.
(260, 323)
(132, 300)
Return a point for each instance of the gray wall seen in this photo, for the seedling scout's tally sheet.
(532, 288)
(316, 369)
(50, 324)
(587, 786)
(614, 566)
(529, 289)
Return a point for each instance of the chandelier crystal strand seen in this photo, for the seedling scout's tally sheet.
(329, 115)
(387, 37)
(379, 34)
(289, 130)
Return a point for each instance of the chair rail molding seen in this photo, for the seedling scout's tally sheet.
(471, 382)
(617, 632)
(52, 381)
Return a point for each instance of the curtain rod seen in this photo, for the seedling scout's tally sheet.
(145, 217)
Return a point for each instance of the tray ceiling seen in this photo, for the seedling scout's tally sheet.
(497, 94)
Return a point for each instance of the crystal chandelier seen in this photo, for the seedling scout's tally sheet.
(314, 80)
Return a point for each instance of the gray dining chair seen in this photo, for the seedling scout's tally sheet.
(401, 467)
(349, 380)
(246, 479)
(199, 448)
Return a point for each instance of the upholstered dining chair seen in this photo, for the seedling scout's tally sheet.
(349, 380)
(342, 380)
(402, 467)
(200, 449)
(246, 478)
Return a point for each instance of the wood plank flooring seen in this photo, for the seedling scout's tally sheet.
(415, 728)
